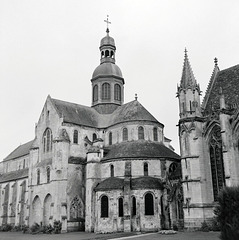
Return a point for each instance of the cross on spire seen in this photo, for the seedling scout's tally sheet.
(107, 22)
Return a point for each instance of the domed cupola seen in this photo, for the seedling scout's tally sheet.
(107, 80)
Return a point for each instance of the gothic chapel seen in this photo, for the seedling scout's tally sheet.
(108, 167)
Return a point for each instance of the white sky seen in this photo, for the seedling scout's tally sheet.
(52, 47)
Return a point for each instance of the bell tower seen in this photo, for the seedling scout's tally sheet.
(107, 80)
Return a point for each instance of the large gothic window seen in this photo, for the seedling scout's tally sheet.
(95, 93)
(216, 160)
(104, 207)
(140, 132)
(117, 92)
(149, 204)
(125, 134)
(76, 209)
(47, 140)
(106, 91)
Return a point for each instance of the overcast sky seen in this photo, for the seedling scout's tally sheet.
(52, 47)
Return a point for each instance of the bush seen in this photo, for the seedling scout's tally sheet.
(227, 213)
(6, 228)
(204, 227)
(35, 228)
(57, 226)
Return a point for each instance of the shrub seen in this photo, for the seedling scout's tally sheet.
(25, 228)
(6, 228)
(175, 227)
(57, 226)
(204, 227)
(35, 228)
(227, 213)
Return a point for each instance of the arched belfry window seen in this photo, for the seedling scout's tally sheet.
(149, 204)
(117, 92)
(75, 137)
(140, 132)
(146, 169)
(110, 138)
(120, 207)
(104, 207)
(47, 140)
(125, 134)
(94, 136)
(155, 133)
(216, 160)
(95, 93)
(106, 91)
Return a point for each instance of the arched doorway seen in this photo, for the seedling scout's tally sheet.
(47, 209)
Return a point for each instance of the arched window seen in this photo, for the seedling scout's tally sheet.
(112, 170)
(133, 206)
(48, 174)
(104, 207)
(120, 207)
(47, 140)
(95, 93)
(216, 160)
(146, 169)
(155, 132)
(149, 204)
(107, 53)
(117, 92)
(38, 176)
(94, 137)
(75, 137)
(125, 134)
(24, 163)
(106, 91)
(110, 138)
(140, 132)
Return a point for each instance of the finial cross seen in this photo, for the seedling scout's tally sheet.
(107, 21)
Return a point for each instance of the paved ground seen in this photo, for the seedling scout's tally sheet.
(115, 236)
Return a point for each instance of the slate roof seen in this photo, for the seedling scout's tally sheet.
(146, 182)
(110, 183)
(87, 116)
(228, 80)
(14, 175)
(20, 151)
(139, 149)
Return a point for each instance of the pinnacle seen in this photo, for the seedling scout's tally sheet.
(188, 78)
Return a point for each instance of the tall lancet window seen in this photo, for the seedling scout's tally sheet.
(47, 140)
(140, 132)
(106, 91)
(117, 92)
(216, 160)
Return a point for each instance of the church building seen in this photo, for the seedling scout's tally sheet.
(209, 140)
(108, 167)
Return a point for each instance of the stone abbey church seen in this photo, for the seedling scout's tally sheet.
(109, 167)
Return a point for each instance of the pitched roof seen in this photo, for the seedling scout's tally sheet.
(146, 182)
(110, 183)
(139, 149)
(87, 116)
(20, 151)
(14, 175)
(228, 81)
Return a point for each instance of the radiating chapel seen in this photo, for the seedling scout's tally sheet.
(102, 168)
